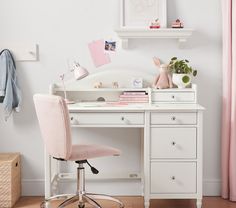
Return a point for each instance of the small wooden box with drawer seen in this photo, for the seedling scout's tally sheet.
(174, 96)
(10, 179)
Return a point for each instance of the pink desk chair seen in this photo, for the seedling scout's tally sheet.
(54, 124)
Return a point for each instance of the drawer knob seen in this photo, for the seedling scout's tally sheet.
(173, 143)
(173, 118)
(126, 121)
(173, 178)
(173, 97)
(73, 121)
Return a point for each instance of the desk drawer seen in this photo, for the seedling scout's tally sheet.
(173, 118)
(175, 143)
(174, 97)
(173, 177)
(107, 118)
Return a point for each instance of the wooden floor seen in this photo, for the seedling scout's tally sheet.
(136, 202)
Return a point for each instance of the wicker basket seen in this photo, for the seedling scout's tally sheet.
(10, 179)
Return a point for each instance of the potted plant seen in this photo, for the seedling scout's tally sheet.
(181, 72)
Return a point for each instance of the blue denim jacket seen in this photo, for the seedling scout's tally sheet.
(9, 88)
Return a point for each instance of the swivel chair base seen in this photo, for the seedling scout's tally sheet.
(81, 196)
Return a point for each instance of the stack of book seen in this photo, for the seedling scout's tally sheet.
(134, 97)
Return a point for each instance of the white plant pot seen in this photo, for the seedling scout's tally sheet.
(181, 80)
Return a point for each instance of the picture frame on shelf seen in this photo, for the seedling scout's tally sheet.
(140, 13)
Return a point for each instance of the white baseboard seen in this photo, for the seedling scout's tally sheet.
(35, 187)
(211, 187)
(32, 187)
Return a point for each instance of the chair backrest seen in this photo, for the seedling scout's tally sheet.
(53, 117)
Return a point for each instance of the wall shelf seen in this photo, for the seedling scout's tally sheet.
(134, 33)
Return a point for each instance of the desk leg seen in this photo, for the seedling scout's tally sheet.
(142, 160)
(199, 203)
(146, 160)
(47, 169)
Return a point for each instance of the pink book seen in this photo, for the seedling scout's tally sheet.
(134, 99)
(137, 101)
(134, 93)
(134, 96)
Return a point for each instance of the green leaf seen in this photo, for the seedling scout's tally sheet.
(185, 79)
(186, 60)
(194, 73)
(176, 65)
(174, 58)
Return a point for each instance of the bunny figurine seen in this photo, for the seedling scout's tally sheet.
(163, 80)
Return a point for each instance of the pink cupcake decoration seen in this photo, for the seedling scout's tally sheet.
(177, 24)
(155, 24)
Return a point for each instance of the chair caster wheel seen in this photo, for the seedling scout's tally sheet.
(81, 206)
(45, 205)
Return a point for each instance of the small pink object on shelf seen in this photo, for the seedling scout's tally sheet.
(155, 24)
(134, 97)
(177, 24)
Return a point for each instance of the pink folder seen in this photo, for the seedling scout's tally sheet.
(98, 55)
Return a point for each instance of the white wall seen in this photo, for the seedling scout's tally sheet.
(63, 28)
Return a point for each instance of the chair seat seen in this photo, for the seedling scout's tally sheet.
(85, 152)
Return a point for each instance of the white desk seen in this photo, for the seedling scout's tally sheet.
(172, 140)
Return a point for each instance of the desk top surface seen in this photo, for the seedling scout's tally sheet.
(103, 107)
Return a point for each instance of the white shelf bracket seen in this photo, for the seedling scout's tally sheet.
(125, 43)
(182, 42)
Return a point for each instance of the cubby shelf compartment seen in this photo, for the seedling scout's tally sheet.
(133, 33)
